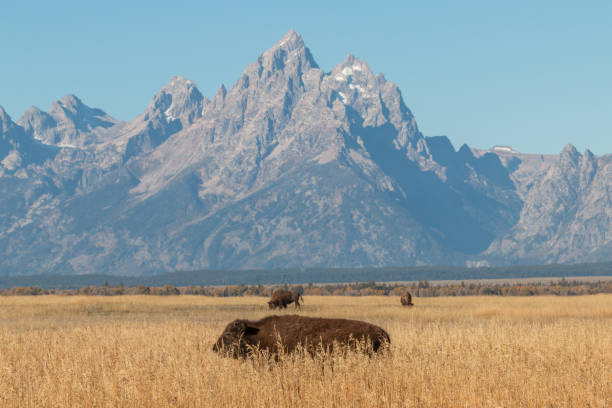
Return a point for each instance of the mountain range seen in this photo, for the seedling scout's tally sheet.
(290, 167)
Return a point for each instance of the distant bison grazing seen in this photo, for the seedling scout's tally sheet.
(281, 298)
(290, 331)
(406, 299)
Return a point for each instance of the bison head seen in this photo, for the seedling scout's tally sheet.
(235, 338)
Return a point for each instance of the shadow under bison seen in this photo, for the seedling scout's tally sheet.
(287, 333)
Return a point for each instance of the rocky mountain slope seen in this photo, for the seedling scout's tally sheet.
(566, 215)
(291, 166)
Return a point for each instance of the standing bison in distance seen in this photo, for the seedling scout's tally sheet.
(286, 333)
(281, 298)
(406, 299)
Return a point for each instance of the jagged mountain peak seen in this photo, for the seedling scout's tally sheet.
(6, 123)
(217, 101)
(5, 119)
(351, 58)
(588, 155)
(222, 91)
(289, 42)
(569, 148)
(570, 157)
(355, 64)
(353, 69)
(575, 168)
(465, 151)
(17, 149)
(176, 106)
(588, 166)
(570, 151)
(71, 102)
(179, 81)
(35, 121)
(3, 113)
(267, 91)
(72, 108)
(179, 85)
(377, 100)
(357, 86)
(32, 110)
(289, 53)
(179, 99)
(69, 122)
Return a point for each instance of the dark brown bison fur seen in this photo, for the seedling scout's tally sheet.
(296, 299)
(289, 332)
(281, 298)
(406, 299)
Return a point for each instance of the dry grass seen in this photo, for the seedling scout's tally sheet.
(156, 351)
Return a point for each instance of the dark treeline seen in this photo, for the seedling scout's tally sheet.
(302, 275)
(420, 289)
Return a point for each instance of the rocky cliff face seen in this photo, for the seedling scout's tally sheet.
(566, 214)
(18, 150)
(69, 123)
(175, 107)
(291, 166)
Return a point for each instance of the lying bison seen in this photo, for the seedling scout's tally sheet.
(406, 299)
(281, 298)
(288, 332)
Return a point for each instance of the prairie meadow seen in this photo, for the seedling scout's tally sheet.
(153, 351)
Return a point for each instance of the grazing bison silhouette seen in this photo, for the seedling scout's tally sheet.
(286, 333)
(406, 299)
(281, 298)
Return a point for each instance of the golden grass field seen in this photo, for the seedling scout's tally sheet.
(145, 351)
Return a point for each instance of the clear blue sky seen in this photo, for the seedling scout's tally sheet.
(535, 75)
